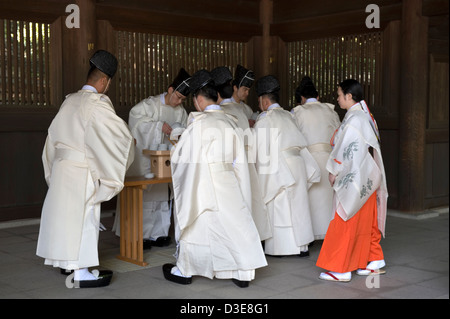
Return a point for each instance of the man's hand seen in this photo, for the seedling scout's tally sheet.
(166, 129)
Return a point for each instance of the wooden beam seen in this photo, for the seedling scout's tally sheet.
(148, 21)
(435, 8)
(286, 10)
(342, 23)
(44, 11)
(225, 10)
(26, 119)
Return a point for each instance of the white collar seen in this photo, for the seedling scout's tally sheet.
(230, 100)
(355, 106)
(274, 105)
(212, 107)
(89, 88)
(162, 98)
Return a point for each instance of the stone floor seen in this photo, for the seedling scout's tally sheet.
(416, 252)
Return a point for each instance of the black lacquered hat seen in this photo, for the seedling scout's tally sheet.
(105, 62)
(266, 85)
(221, 75)
(243, 77)
(199, 80)
(180, 83)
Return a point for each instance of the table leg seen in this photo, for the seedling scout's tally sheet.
(131, 229)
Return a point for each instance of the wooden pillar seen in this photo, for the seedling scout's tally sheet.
(266, 13)
(413, 106)
(78, 46)
(106, 41)
(56, 91)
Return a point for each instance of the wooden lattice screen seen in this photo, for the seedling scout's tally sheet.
(329, 61)
(149, 62)
(24, 63)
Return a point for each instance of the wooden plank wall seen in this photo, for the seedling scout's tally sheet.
(330, 60)
(149, 62)
(437, 144)
(24, 63)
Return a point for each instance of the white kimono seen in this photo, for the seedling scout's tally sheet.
(358, 173)
(215, 231)
(244, 107)
(145, 121)
(318, 122)
(85, 157)
(258, 209)
(286, 170)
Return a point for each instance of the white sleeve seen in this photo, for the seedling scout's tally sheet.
(109, 152)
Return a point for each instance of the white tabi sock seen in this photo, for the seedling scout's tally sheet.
(338, 275)
(84, 274)
(376, 264)
(175, 271)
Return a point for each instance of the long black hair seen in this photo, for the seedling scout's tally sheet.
(354, 88)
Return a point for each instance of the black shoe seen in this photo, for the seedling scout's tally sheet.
(161, 241)
(304, 254)
(104, 279)
(147, 244)
(65, 271)
(174, 278)
(241, 283)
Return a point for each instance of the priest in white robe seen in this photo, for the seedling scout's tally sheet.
(286, 169)
(215, 231)
(151, 122)
(242, 82)
(317, 121)
(85, 157)
(222, 79)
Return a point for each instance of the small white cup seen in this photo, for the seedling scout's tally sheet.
(154, 147)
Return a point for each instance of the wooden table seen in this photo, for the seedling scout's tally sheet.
(131, 210)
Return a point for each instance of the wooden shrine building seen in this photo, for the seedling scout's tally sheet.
(397, 49)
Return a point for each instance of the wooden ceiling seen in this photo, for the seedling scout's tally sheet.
(226, 19)
(237, 20)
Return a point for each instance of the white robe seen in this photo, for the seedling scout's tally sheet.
(145, 121)
(85, 157)
(259, 209)
(286, 170)
(318, 122)
(215, 231)
(358, 173)
(244, 107)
